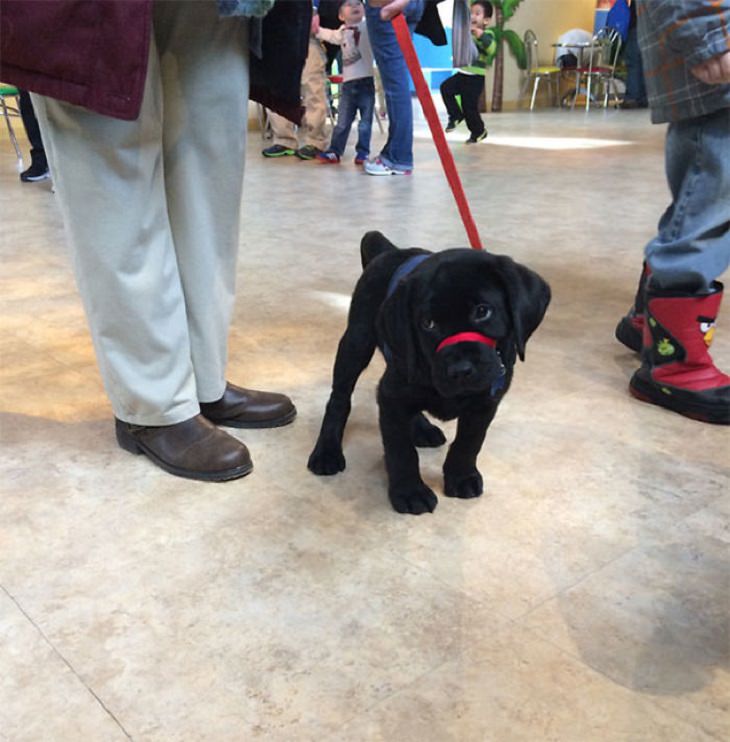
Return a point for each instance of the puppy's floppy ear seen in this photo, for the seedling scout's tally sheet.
(528, 296)
(398, 332)
(373, 244)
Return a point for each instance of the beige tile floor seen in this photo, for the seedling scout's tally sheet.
(584, 597)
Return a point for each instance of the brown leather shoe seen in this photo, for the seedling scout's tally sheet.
(247, 408)
(194, 448)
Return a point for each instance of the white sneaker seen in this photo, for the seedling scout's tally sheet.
(378, 167)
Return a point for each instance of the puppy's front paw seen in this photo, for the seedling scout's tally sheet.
(425, 434)
(326, 459)
(463, 485)
(414, 500)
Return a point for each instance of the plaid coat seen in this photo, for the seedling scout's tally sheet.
(674, 36)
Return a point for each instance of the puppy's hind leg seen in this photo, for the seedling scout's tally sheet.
(354, 352)
(425, 434)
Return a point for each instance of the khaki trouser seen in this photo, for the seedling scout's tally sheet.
(312, 130)
(152, 210)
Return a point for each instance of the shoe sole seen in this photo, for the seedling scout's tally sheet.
(288, 153)
(306, 157)
(36, 178)
(132, 445)
(388, 172)
(628, 335)
(696, 411)
(277, 422)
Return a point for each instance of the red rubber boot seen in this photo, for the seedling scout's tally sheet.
(677, 371)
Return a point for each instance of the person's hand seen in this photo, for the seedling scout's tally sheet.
(714, 71)
(477, 31)
(315, 24)
(389, 8)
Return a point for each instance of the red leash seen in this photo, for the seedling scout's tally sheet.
(447, 158)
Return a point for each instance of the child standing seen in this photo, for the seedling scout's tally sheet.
(468, 82)
(358, 89)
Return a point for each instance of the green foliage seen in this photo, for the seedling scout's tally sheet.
(515, 43)
(517, 47)
(508, 7)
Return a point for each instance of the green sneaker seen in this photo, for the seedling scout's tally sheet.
(277, 150)
(475, 138)
(307, 152)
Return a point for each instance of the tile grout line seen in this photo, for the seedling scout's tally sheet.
(584, 577)
(575, 656)
(520, 619)
(66, 662)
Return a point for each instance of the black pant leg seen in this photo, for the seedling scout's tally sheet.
(472, 87)
(450, 88)
(33, 131)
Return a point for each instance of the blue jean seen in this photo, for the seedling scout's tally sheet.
(692, 247)
(357, 95)
(398, 150)
(635, 86)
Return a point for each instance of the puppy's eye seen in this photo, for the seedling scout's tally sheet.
(482, 312)
(428, 324)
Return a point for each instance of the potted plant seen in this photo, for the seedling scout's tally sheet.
(503, 11)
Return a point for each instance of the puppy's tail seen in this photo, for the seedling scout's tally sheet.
(372, 245)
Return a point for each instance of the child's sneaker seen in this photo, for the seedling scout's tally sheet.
(328, 158)
(378, 167)
(36, 172)
(360, 161)
(277, 150)
(452, 125)
(307, 152)
(478, 138)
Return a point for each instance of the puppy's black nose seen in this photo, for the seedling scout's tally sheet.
(460, 371)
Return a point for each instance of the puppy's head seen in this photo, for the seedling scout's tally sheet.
(459, 320)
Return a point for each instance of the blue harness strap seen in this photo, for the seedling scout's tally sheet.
(498, 383)
(403, 270)
(400, 273)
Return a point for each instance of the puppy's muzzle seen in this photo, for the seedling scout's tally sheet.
(463, 373)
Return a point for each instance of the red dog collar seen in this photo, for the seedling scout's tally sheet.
(466, 337)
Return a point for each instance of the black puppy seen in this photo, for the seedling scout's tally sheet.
(450, 326)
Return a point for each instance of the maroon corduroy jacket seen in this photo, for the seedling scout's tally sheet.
(94, 54)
